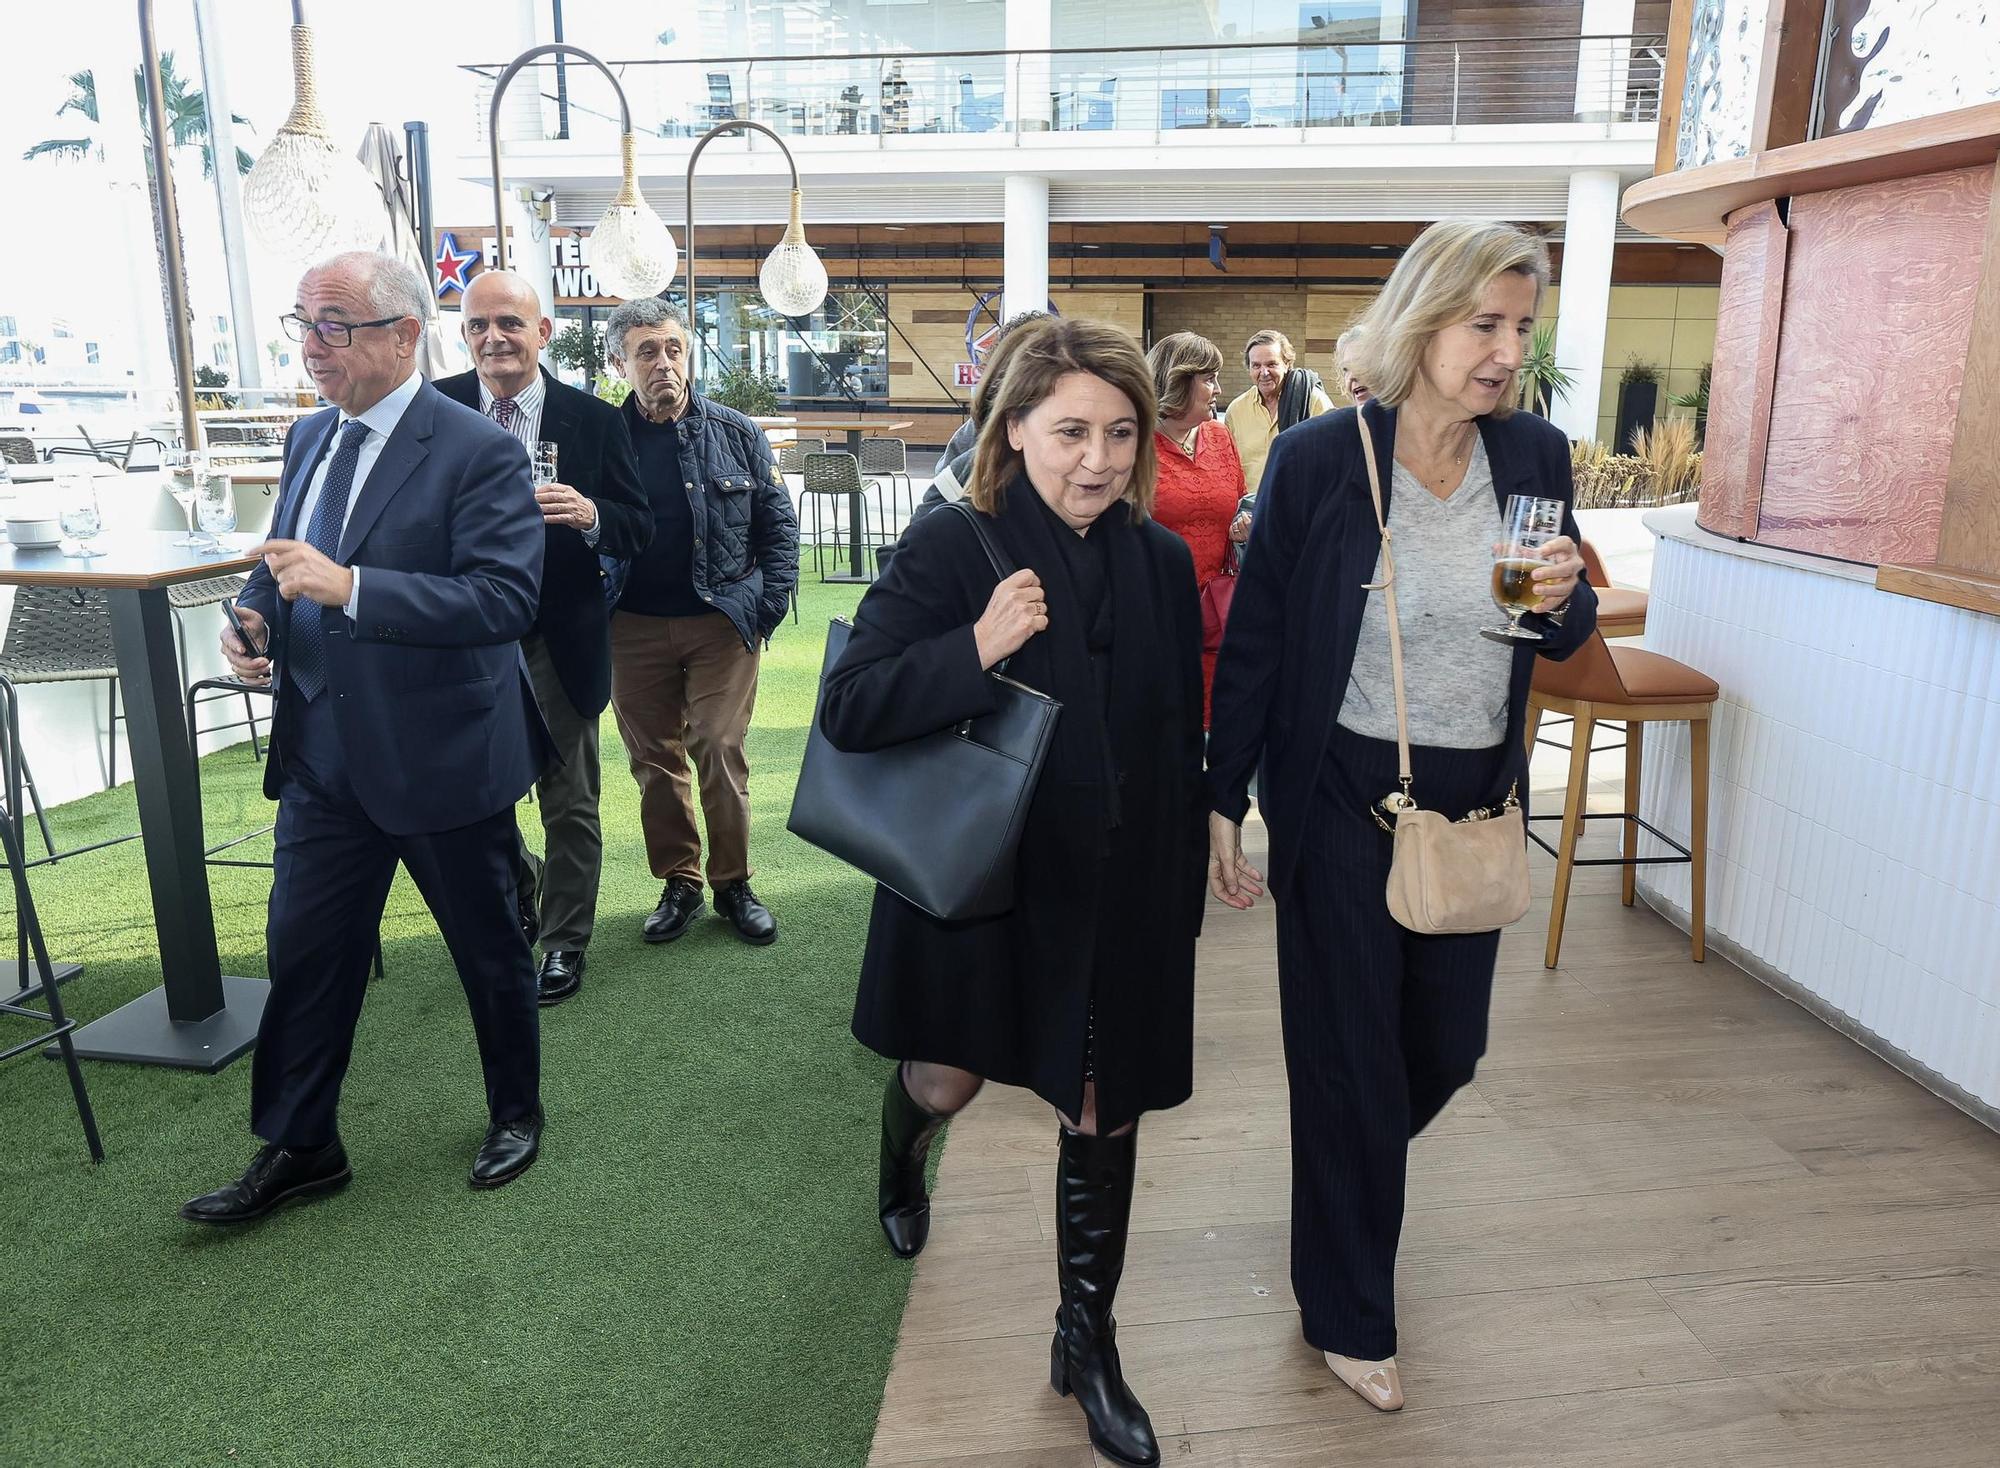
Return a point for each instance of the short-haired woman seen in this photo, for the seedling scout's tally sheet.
(1085, 991)
(1382, 1025)
(1201, 478)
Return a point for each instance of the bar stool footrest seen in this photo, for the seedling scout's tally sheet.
(1683, 859)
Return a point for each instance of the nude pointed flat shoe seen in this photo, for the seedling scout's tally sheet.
(1377, 1383)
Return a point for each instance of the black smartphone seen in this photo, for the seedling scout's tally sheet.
(229, 611)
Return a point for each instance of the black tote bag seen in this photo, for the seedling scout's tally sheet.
(936, 820)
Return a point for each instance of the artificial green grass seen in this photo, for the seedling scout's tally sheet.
(690, 1275)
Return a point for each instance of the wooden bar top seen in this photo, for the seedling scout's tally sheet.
(133, 560)
(1695, 203)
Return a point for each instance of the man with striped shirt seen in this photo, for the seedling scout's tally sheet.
(595, 507)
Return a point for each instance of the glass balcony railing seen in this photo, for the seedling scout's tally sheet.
(1155, 90)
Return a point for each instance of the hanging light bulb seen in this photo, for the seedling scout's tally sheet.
(632, 252)
(793, 280)
(307, 197)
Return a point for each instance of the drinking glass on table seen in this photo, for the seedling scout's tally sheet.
(77, 509)
(544, 463)
(1531, 523)
(185, 470)
(216, 505)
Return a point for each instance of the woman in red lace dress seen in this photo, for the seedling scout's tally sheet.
(1201, 477)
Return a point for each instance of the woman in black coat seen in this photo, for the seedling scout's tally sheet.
(1084, 992)
(1383, 1025)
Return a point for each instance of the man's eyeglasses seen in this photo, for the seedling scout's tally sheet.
(332, 333)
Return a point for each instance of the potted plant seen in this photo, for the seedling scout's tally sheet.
(579, 348)
(1638, 402)
(1543, 384)
(1697, 403)
(753, 394)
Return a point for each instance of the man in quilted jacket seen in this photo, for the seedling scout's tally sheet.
(699, 605)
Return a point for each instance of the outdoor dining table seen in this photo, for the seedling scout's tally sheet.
(199, 1018)
(857, 552)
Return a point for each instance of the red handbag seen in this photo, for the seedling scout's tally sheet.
(1215, 600)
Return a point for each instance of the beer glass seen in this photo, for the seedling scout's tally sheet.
(1530, 524)
(544, 464)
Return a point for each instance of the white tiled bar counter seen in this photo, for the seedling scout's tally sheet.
(1854, 824)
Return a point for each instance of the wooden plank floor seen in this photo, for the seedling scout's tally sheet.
(1676, 1220)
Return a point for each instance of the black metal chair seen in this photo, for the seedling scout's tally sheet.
(889, 459)
(216, 855)
(55, 634)
(830, 478)
(54, 1024)
(792, 456)
(187, 597)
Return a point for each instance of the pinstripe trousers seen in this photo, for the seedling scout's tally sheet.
(1381, 1025)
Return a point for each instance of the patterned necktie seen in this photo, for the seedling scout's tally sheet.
(307, 646)
(503, 413)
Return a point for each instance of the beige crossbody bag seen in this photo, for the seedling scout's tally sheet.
(1464, 876)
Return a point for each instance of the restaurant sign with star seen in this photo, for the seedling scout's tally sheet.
(460, 254)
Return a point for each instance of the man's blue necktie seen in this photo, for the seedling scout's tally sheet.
(306, 649)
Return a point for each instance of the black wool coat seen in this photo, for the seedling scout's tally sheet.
(1100, 942)
(1288, 649)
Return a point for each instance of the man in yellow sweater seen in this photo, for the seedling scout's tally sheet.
(1269, 407)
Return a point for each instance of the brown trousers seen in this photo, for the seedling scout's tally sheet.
(681, 686)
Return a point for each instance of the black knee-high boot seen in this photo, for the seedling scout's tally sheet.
(1093, 1212)
(907, 1130)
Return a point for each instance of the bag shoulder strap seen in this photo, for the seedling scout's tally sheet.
(1387, 586)
(995, 557)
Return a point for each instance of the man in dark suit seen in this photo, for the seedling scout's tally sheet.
(595, 508)
(390, 605)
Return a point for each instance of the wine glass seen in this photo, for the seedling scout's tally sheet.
(216, 505)
(185, 470)
(76, 505)
(544, 463)
(1531, 523)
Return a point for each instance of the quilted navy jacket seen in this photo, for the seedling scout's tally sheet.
(746, 544)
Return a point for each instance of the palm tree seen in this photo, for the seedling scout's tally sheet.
(187, 117)
(187, 123)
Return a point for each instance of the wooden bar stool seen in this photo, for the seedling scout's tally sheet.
(1621, 611)
(1631, 686)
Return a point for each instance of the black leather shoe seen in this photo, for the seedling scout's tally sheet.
(509, 1150)
(276, 1176)
(751, 919)
(561, 976)
(680, 900)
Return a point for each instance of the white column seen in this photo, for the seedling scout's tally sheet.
(1589, 230)
(1601, 65)
(229, 199)
(1030, 27)
(1025, 243)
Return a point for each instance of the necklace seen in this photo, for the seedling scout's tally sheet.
(1440, 480)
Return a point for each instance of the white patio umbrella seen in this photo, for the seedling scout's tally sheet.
(381, 154)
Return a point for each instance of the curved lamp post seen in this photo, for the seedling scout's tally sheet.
(631, 252)
(307, 197)
(792, 279)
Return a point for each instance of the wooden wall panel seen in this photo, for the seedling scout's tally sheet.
(1880, 286)
(1746, 355)
(1969, 534)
